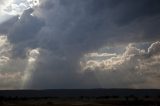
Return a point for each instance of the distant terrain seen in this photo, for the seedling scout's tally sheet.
(81, 97)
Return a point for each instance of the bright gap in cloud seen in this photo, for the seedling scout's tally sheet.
(16, 7)
(5, 48)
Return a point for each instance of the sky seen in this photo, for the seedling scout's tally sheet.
(79, 44)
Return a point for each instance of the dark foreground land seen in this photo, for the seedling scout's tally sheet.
(79, 97)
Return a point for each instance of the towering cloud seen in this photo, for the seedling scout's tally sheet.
(59, 43)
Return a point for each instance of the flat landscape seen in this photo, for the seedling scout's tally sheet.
(80, 97)
(91, 102)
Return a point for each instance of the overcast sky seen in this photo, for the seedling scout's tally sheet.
(52, 44)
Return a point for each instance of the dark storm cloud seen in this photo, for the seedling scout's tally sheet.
(65, 30)
(130, 10)
(23, 33)
(83, 22)
(6, 26)
(76, 22)
(25, 28)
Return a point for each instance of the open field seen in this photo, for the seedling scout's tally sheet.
(94, 97)
(76, 102)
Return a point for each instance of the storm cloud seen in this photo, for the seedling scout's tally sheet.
(59, 36)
